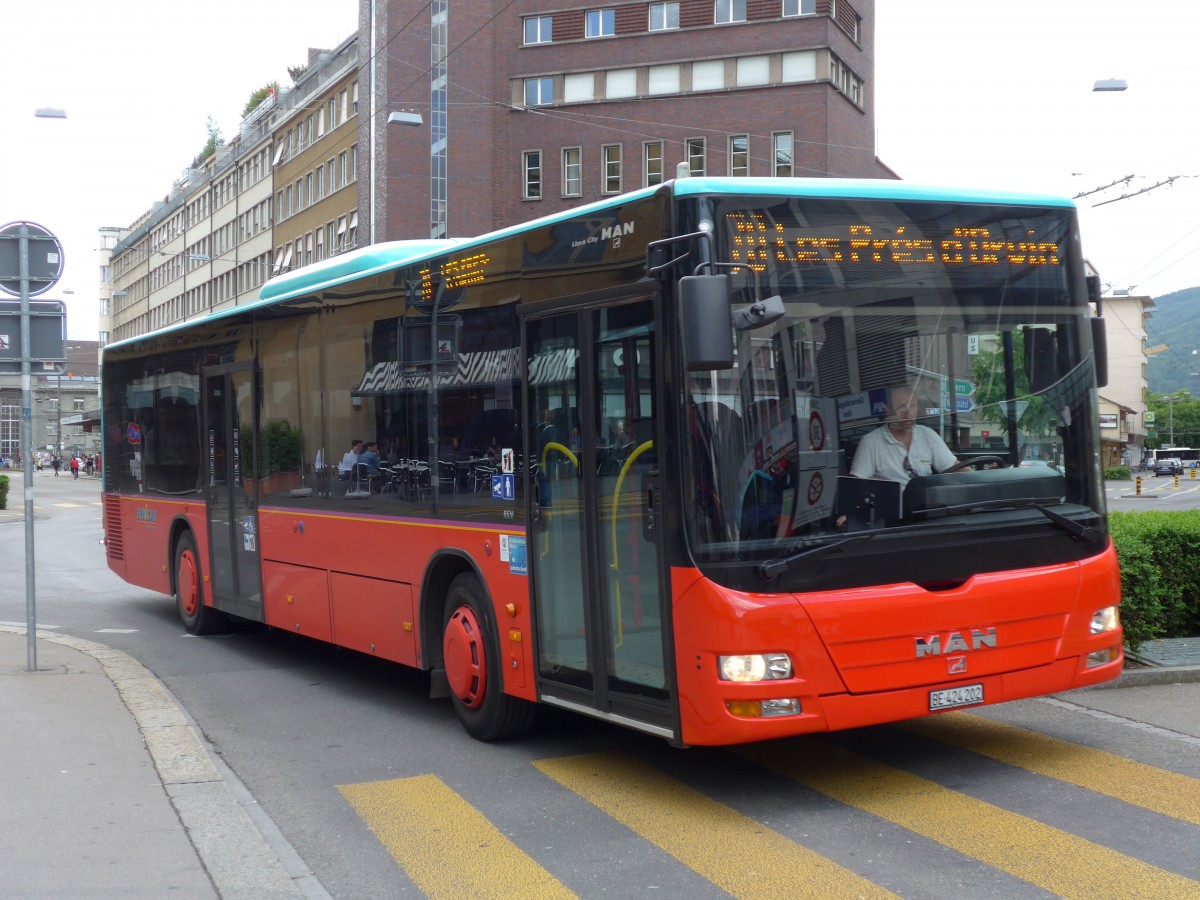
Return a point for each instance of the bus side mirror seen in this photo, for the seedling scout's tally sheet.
(1100, 349)
(707, 330)
(1040, 359)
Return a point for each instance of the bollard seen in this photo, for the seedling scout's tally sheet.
(1192, 473)
(1176, 479)
(1139, 485)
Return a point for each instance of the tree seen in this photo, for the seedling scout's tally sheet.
(1036, 417)
(211, 145)
(258, 96)
(1185, 415)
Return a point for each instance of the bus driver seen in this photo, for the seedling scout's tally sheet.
(900, 449)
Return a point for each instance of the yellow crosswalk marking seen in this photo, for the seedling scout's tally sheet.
(1056, 861)
(444, 844)
(1133, 782)
(731, 850)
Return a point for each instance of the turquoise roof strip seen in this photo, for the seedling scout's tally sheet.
(384, 257)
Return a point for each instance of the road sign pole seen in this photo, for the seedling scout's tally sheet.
(27, 453)
(38, 263)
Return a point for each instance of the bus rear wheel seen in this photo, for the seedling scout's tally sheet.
(471, 656)
(189, 591)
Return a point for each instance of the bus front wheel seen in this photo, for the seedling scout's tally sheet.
(189, 591)
(471, 656)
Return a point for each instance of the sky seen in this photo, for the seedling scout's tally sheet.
(990, 95)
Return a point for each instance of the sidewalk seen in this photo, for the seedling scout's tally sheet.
(109, 790)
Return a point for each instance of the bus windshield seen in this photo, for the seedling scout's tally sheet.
(932, 372)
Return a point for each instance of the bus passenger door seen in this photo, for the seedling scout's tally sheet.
(594, 554)
(229, 411)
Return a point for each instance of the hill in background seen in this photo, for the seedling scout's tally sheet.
(1175, 323)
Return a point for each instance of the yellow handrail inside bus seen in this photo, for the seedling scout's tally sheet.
(552, 445)
(615, 564)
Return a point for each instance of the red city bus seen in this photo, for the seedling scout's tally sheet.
(632, 460)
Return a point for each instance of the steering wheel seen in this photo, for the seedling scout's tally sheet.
(974, 461)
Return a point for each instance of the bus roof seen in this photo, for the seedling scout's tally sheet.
(377, 258)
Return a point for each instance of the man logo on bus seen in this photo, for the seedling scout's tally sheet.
(955, 642)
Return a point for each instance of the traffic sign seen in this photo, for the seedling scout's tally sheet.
(963, 388)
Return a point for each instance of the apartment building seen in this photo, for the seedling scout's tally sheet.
(534, 107)
(281, 194)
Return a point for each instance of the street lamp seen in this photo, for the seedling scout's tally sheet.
(1171, 400)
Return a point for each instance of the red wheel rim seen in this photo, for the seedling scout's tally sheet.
(188, 592)
(466, 661)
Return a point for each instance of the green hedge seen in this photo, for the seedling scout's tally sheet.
(3, 492)
(1159, 553)
(1117, 473)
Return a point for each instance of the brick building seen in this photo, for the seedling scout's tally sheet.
(549, 105)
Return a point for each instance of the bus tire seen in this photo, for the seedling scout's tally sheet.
(471, 656)
(189, 591)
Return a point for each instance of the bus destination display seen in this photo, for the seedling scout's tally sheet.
(758, 241)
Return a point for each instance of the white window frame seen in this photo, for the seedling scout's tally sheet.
(799, 8)
(735, 170)
(611, 164)
(785, 141)
(653, 151)
(690, 145)
(538, 88)
(531, 175)
(727, 12)
(600, 23)
(543, 27)
(572, 171)
(661, 15)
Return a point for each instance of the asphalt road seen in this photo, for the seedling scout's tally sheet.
(383, 795)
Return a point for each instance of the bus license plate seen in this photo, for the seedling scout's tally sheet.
(967, 695)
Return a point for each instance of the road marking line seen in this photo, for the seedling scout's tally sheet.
(444, 844)
(1056, 861)
(733, 851)
(1133, 782)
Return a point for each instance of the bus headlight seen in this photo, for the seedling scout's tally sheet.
(755, 667)
(1106, 619)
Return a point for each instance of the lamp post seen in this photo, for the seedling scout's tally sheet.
(1171, 400)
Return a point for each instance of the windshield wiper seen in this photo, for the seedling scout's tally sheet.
(1085, 532)
(773, 568)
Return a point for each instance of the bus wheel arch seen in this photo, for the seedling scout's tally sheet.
(467, 652)
(187, 580)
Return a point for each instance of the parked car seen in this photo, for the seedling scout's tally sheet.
(1168, 466)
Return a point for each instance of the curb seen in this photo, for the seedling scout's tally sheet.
(1150, 675)
(241, 849)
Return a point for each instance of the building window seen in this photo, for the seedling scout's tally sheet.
(539, 91)
(784, 145)
(572, 172)
(753, 70)
(344, 166)
(662, 79)
(695, 155)
(727, 11)
(664, 16)
(845, 80)
(579, 87)
(612, 168)
(799, 66)
(708, 75)
(532, 164)
(620, 83)
(739, 155)
(539, 29)
(799, 7)
(600, 23)
(652, 163)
